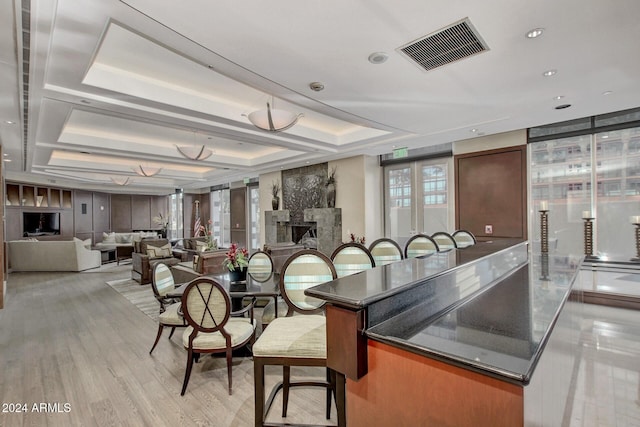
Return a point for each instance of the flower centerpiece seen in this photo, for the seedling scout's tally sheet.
(356, 239)
(206, 231)
(236, 260)
(162, 222)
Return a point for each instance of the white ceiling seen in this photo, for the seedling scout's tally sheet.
(115, 84)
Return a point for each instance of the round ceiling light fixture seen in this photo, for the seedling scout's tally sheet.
(562, 106)
(316, 86)
(550, 73)
(378, 57)
(536, 32)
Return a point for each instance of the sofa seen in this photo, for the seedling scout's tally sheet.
(147, 253)
(53, 255)
(124, 242)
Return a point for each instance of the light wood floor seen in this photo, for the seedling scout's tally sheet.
(68, 338)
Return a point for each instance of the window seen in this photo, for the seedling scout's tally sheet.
(175, 230)
(220, 216)
(417, 196)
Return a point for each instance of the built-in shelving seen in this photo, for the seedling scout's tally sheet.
(24, 195)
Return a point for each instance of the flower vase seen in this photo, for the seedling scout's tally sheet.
(275, 203)
(331, 195)
(238, 275)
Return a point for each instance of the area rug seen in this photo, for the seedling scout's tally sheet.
(140, 296)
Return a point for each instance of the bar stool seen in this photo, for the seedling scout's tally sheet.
(296, 340)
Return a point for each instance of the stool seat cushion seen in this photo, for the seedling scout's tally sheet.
(171, 316)
(239, 328)
(302, 336)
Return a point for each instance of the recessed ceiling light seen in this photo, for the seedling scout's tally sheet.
(608, 92)
(7, 160)
(378, 57)
(549, 73)
(474, 130)
(10, 122)
(605, 136)
(536, 32)
(558, 98)
(316, 86)
(562, 106)
(5, 154)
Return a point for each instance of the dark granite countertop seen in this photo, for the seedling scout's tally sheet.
(499, 331)
(370, 286)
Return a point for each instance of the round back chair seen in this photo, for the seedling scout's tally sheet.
(302, 270)
(464, 238)
(350, 258)
(444, 240)
(385, 251)
(420, 245)
(260, 266)
(206, 307)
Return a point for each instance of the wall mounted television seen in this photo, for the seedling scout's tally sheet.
(40, 223)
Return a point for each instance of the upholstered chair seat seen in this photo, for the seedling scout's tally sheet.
(239, 328)
(172, 315)
(296, 336)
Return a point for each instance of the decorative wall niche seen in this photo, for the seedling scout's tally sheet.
(304, 188)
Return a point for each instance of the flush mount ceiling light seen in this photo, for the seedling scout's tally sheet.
(195, 151)
(536, 32)
(273, 120)
(145, 170)
(550, 73)
(378, 57)
(122, 180)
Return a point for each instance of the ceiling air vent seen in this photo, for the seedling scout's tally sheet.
(450, 44)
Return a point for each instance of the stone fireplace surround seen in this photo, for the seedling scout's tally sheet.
(280, 229)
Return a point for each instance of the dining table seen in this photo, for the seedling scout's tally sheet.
(259, 285)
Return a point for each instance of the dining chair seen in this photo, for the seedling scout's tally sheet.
(419, 245)
(162, 283)
(464, 238)
(261, 268)
(207, 308)
(350, 258)
(296, 340)
(385, 251)
(444, 240)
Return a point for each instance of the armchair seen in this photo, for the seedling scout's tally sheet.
(148, 253)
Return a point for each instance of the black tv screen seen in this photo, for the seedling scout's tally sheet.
(40, 223)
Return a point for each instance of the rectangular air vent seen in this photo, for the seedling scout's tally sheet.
(450, 44)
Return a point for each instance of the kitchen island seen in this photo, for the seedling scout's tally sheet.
(464, 337)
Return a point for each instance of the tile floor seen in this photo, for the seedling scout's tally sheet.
(607, 389)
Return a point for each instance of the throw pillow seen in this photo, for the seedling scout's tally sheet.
(123, 238)
(87, 243)
(159, 252)
(201, 246)
(109, 238)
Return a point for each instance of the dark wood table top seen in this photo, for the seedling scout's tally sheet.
(259, 286)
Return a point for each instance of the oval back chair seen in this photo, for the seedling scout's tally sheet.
(385, 251)
(302, 270)
(464, 238)
(206, 306)
(444, 240)
(170, 314)
(260, 266)
(419, 245)
(350, 258)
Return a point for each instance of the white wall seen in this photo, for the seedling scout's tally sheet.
(265, 181)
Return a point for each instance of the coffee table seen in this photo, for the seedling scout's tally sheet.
(107, 254)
